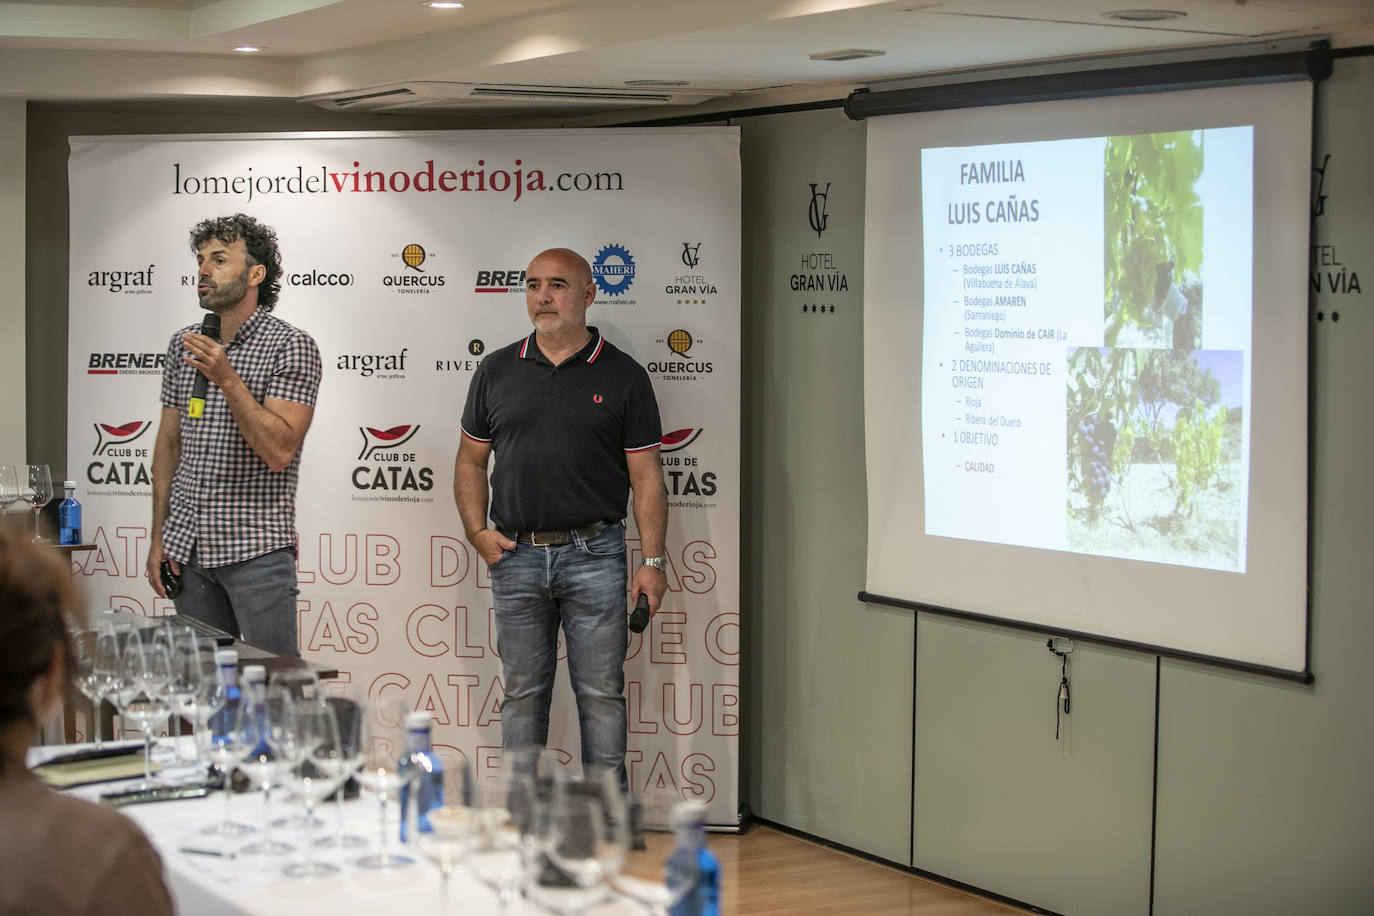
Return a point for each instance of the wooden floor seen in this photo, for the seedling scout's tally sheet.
(767, 871)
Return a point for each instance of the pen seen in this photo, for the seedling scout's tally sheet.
(195, 851)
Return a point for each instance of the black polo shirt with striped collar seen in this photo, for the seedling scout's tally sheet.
(560, 434)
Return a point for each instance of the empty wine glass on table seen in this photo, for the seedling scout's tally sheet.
(96, 669)
(231, 738)
(294, 683)
(383, 742)
(641, 878)
(505, 805)
(262, 714)
(310, 740)
(145, 671)
(38, 492)
(207, 697)
(348, 716)
(181, 649)
(568, 874)
(9, 487)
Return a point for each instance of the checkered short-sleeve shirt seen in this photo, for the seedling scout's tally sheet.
(226, 502)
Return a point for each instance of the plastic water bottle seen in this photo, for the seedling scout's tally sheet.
(689, 822)
(423, 788)
(69, 517)
(255, 692)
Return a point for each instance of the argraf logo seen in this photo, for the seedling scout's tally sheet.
(395, 437)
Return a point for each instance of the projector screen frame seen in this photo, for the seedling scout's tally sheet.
(1312, 66)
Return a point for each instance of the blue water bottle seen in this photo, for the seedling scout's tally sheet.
(423, 787)
(69, 517)
(255, 693)
(689, 822)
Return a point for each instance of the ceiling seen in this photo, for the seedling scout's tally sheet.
(580, 59)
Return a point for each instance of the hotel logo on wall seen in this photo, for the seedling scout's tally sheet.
(817, 214)
(690, 284)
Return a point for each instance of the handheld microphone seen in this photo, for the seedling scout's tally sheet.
(639, 619)
(210, 328)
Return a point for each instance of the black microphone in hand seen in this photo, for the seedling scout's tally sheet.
(639, 618)
(210, 328)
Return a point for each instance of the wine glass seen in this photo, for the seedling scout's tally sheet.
(95, 666)
(348, 716)
(231, 739)
(641, 877)
(9, 487)
(310, 740)
(452, 828)
(262, 713)
(383, 723)
(38, 492)
(145, 671)
(294, 683)
(569, 876)
(505, 803)
(208, 695)
(181, 688)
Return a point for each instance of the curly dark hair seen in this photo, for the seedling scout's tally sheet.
(37, 598)
(259, 240)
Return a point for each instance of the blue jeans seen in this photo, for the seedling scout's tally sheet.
(255, 599)
(582, 587)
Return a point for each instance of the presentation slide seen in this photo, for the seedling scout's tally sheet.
(1086, 347)
(1086, 367)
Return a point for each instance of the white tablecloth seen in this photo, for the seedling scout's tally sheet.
(253, 885)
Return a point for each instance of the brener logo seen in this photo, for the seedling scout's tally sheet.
(687, 482)
(390, 474)
(613, 270)
(117, 462)
(686, 369)
(500, 281)
(129, 282)
(383, 365)
(126, 363)
(414, 278)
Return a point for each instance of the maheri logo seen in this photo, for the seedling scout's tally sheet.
(107, 435)
(613, 269)
(395, 437)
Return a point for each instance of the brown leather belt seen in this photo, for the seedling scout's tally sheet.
(560, 537)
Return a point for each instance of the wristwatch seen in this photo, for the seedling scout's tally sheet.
(658, 563)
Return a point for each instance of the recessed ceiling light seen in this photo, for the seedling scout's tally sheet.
(847, 54)
(248, 49)
(442, 4)
(657, 84)
(1143, 15)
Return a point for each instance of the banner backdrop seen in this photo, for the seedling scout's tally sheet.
(403, 256)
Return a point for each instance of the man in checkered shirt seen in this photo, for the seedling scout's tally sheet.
(224, 483)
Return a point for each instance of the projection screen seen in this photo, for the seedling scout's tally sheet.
(1085, 357)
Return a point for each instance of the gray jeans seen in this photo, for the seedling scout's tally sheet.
(255, 600)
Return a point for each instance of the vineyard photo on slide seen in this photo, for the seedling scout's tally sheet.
(1154, 455)
(1152, 227)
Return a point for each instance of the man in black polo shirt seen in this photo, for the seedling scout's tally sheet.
(574, 426)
